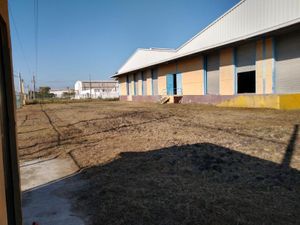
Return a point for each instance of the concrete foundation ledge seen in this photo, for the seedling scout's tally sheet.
(147, 98)
(205, 99)
(290, 101)
(273, 101)
(140, 98)
(123, 98)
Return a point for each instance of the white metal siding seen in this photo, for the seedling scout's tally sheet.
(137, 83)
(247, 19)
(213, 74)
(130, 84)
(288, 63)
(154, 82)
(142, 57)
(246, 57)
(144, 80)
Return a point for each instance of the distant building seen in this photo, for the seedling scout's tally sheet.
(105, 89)
(59, 93)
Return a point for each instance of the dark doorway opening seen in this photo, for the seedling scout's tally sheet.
(175, 84)
(246, 82)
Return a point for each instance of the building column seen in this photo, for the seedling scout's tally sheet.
(149, 82)
(204, 61)
(131, 84)
(227, 72)
(265, 66)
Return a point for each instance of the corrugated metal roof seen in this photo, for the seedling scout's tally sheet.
(247, 19)
(97, 84)
(146, 56)
(97, 81)
(109, 84)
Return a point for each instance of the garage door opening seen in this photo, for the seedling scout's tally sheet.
(246, 82)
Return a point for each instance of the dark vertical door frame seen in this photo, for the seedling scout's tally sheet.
(8, 129)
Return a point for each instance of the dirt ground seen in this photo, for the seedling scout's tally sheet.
(171, 164)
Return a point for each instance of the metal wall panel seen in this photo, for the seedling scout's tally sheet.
(127, 85)
(131, 84)
(170, 84)
(287, 65)
(179, 83)
(246, 57)
(144, 83)
(136, 78)
(154, 82)
(213, 74)
(247, 19)
(139, 84)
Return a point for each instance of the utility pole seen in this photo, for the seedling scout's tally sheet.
(21, 89)
(33, 80)
(23, 92)
(29, 92)
(90, 86)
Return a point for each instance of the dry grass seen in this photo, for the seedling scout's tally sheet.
(172, 164)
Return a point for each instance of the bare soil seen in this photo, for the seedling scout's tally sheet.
(146, 163)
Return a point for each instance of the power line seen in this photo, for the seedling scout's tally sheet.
(19, 39)
(57, 81)
(36, 32)
(34, 83)
(90, 86)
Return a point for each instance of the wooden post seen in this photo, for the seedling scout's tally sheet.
(10, 203)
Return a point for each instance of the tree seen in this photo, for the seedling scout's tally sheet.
(44, 92)
(70, 94)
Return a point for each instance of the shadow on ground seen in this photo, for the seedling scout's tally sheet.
(191, 184)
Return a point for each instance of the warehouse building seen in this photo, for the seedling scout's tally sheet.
(249, 57)
(61, 92)
(104, 89)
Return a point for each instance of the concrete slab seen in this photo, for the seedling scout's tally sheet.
(35, 173)
(49, 204)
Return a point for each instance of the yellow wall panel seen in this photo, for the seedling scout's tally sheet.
(149, 82)
(163, 70)
(264, 66)
(192, 75)
(226, 72)
(131, 84)
(122, 85)
(269, 63)
(259, 67)
(139, 84)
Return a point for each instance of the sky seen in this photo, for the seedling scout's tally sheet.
(82, 38)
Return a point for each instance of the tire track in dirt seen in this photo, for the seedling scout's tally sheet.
(24, 121)
(59, 135)
(62, 144)
(32, 131)
(131, 126)
(71, 140)
(230, 131)
(103, 118)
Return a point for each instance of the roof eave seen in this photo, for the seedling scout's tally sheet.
(261, 32)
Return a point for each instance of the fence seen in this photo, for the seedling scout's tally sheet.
(18, 100)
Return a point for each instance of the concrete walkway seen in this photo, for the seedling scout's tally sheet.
(37, 173)
(50, 205)
(41, 181)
